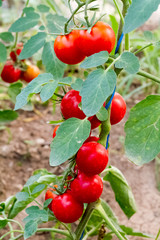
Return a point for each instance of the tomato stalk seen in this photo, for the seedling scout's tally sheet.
(108, 221)
(105, 129)
(85, 219)
(150, 76)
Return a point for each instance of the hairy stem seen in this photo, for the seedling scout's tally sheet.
(150, 76)
(108, 221)
(84, 220)
(119, 11)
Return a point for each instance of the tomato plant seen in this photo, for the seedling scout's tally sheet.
(87, 102)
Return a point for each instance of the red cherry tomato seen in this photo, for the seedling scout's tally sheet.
(55, 130)
(10, 74)
(66, 208)
(92, 158)
(66, 49)
(16, 52)
(87, 189)
(92, 139)
(118, 109)
(70, 108)
(101, 38)
(69, 105)
(31, 73)
(50, 194)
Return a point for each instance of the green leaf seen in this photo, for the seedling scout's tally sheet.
(95, 60)
(3, 222)
(25, 23)
(28, 10)
(35, 86)
(33, 45)
(43, 8)
(130, 232)
(52, 63)
(30, 229)
(55, 23)
(129, 62)
(22, 196)
(14, 89)
(65, 81)
(138, 13)
(2, 207)
(102, 115)
(142, 142)
(55, 122)
(7, 116)
(77, 85)
(3, 51)
(36, 214)
(122, 190)
(38, 188)
(47, 202)
(0, 3)
(7, 37)
(98, 86)
(48, 91)
(69, 138)
(19, 204)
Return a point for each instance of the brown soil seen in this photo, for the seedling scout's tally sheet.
(29, 150)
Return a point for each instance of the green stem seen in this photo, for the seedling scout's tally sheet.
(150, 76)
(120, 30)
(91, 231)
(157, 235)
(127, 42)
(10, 232)
(10, 225)
(85, 13)
(108, 221)
(73, 13)
(105, 129)
(19, 236)
(11, 220)
(119, 11)
(16, 38)
(70, 232)
(141, 49)
(60, 231)
(84, 220)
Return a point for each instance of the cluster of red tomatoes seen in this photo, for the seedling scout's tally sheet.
(14, 70)
(91, 160)
(75, 46)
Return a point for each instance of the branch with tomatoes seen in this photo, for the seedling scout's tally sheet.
(86, 104)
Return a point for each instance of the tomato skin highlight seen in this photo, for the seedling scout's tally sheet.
(86, 189)
(66, 49)
(31, 73)
(50, 194)
(55, 130)
(101, 38)
(66, 208)
(10, 74)
(92, 158)
(118, 109)
(69, 105)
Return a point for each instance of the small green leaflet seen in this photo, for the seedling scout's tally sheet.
(95, 60)
(0, 3)
(14, 89)
(69, 138)
(7, 37)
(3, 51)
(56, 23)
(7, 116)
(115, 29)
(129, 62)
(35, 86)
(142, 142)
(36, 214)
(102, 115)
(30, 229)
(52, 64)
(122, 190)
(77, 85)
(25, 23)
(43, 8)
(98, 86)
(138, 13)
(3, 222)
(28, 10)
(130, 232)
(35, 43)
(48, 91)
